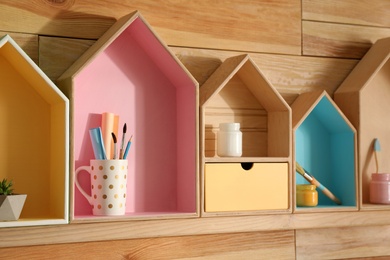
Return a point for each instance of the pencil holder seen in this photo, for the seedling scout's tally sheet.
(108, 186)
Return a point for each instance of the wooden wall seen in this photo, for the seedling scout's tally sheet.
(300, 45)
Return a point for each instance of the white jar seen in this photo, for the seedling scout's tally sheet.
(229, 140)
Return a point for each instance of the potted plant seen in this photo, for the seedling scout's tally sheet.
(11, 204)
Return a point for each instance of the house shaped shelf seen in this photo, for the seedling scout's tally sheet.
(239, 92)
(34, 138)
(325, 146)
(130, 72)
(364, 98)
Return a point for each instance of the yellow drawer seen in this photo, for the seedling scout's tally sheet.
(229, 187)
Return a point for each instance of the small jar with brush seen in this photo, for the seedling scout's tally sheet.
(380, 188)
(380, 182)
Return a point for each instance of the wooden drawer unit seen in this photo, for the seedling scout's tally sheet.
(246, 186)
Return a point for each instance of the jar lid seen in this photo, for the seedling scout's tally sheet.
(380, 176)
(229, 126)
(306, 187)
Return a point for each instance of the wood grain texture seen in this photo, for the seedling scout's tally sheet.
(290, 75)
(198, 32)
(259, 245)
(93, 232)
(362, 12)
(28, 43)
(342, 243)
(57, 54)
(202, 24)
(339, 40)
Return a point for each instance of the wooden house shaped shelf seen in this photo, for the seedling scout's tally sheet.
(34, 138)
(129, 71)
(325, 145)
(258, 181)
(364, 98)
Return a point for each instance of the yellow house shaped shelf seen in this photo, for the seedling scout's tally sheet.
(258, 181)
(34, 116)
(364, 97)
(130, 72)
(325, 146)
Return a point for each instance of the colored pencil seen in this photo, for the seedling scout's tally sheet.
(127, 148)
(97, 143)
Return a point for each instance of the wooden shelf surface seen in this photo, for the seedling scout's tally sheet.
(87, 232)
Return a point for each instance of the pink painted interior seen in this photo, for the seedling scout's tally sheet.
(137, 78)
(186, 112)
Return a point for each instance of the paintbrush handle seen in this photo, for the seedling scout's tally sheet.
(324, 190)
(376, 161)
(377, 148)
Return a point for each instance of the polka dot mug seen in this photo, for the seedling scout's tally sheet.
(108, 186)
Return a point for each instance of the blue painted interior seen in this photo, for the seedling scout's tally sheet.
(325, 148)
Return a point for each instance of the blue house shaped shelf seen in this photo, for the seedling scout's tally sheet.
(325, 145)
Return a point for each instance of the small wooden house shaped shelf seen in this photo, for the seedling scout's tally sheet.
(325, 145)
(259, 180)
(34, 138)
(129, 71)
(364, 98)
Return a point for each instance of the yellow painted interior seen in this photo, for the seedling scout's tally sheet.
(32, 134)
(29, 72)
(59, 165)
(228, 187)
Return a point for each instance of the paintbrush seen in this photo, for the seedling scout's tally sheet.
(377, 149)
(313, 181)
(121, 151)
(114, 138)
(127, 147)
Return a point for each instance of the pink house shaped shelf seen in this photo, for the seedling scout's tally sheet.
(129, 71)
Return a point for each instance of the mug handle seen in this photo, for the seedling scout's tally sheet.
(83, 168)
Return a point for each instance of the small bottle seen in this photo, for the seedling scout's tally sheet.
(307, 195)
(229, 140)
(380, 188)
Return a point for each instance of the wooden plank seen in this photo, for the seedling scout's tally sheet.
(363, 12)
(260, 245)
(339, 40)
(28, 43)
(198, 23)
(341, 243)
(57, 54)
(290, 75)
(118, 230)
